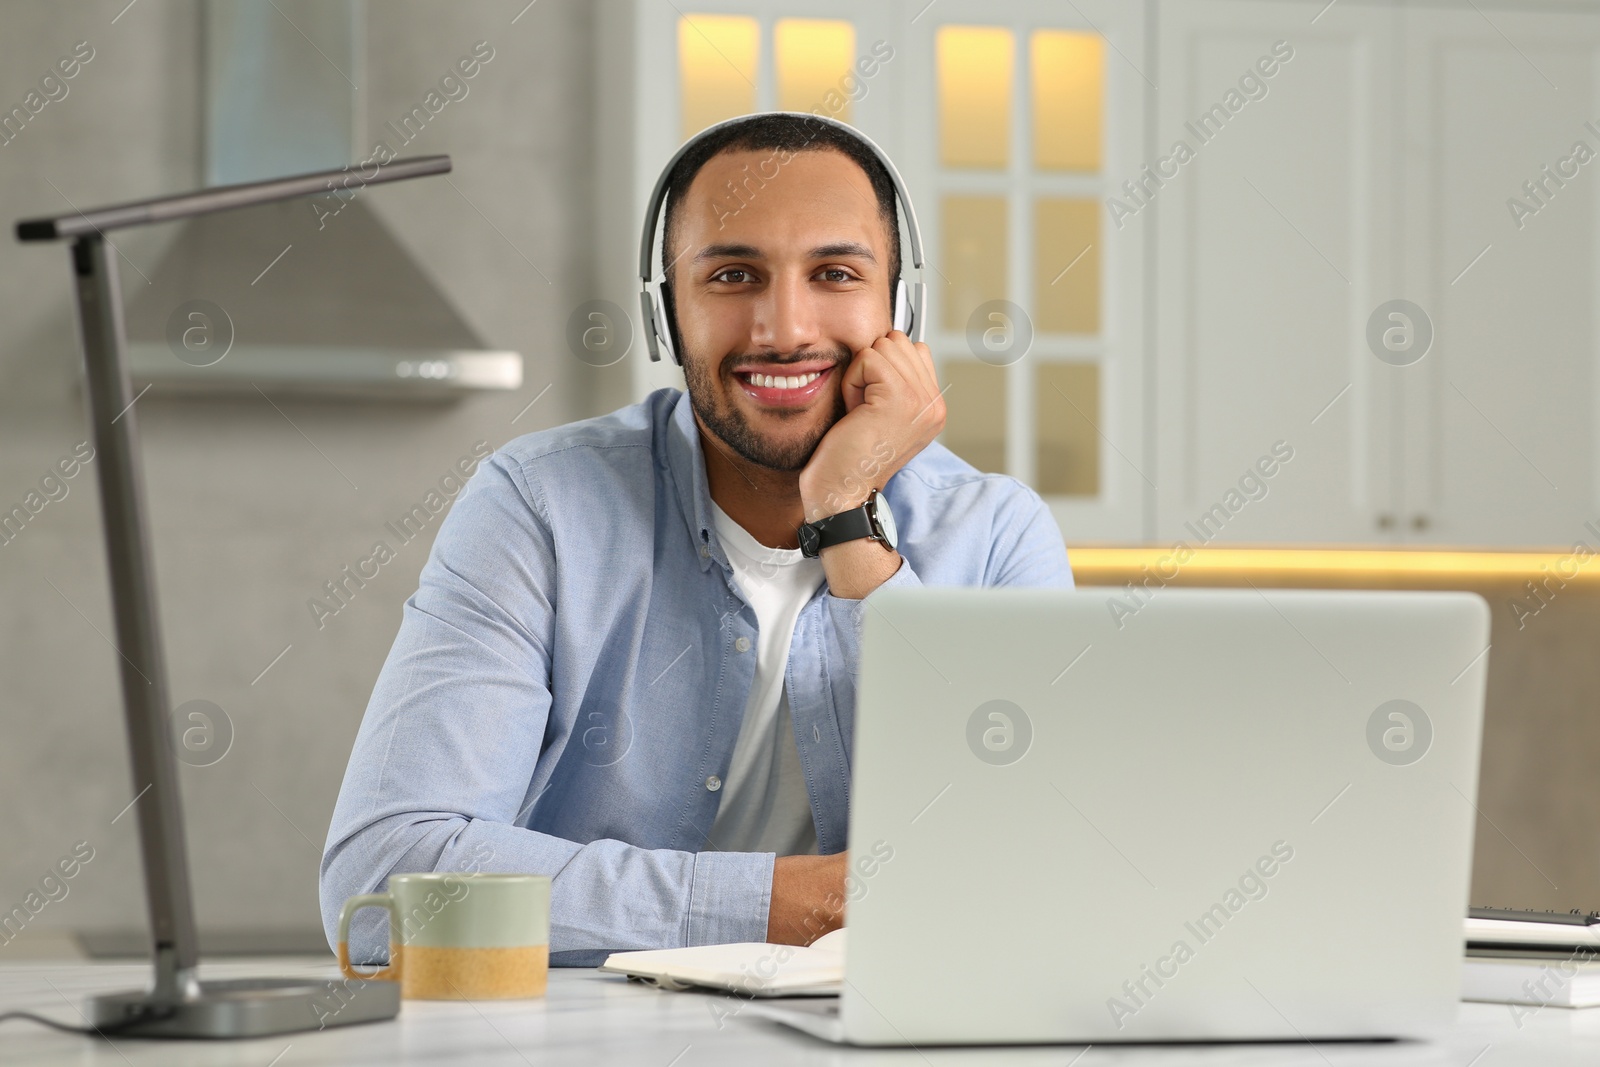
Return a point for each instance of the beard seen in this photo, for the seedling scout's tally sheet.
(724, 419)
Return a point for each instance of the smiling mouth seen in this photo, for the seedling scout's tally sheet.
(779, 381)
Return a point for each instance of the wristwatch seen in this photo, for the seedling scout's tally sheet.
(872, 520)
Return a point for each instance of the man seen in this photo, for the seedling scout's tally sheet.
(618, 668)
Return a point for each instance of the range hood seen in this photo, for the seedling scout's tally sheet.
(307, 296)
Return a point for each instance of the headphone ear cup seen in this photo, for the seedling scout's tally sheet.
(902, 307)
(660, 323)
(647, 308)
(918, 310)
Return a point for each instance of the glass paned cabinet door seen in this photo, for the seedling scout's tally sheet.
(1012, 121)
(1068, 74)
(718, 58)
(975, 75)
(1021, 128)
(1066, 265)
(809, 55)
(975, 236)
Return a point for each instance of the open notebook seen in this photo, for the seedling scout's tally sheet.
(752, 969)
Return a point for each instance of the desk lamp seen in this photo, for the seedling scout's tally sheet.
(178, 1003)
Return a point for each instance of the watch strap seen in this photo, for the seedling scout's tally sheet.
(849, 525)
(845, 526)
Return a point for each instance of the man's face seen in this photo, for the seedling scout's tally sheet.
(783, 286)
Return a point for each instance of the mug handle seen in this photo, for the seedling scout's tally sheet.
(390, 973)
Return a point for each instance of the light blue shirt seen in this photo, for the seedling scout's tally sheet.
(567, 685)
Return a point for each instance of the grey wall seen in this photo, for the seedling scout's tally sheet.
(250, 513)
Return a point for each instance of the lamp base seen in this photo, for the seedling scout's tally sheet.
(248, 1007)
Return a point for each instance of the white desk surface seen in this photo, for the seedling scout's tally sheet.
(591, 1018)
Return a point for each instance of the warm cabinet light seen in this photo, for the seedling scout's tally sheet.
(1068, 68)
(813, 60)
(717, 68)
(1109, 565)
(974, 65)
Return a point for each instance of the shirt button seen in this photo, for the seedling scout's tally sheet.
(705, 551)
(713, 783)
(742, 644)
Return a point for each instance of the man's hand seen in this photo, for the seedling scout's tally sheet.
(807, 898)
(893, 408)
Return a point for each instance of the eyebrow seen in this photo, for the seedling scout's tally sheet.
(828, 251)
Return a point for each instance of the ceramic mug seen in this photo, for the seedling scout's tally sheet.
(460, 936)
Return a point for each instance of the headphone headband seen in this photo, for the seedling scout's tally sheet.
(908, 306)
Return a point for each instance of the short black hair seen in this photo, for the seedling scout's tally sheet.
(781, 132)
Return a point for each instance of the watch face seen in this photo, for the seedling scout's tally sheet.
(808, 541)
(885, 519)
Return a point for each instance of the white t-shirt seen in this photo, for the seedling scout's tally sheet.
(764, 803)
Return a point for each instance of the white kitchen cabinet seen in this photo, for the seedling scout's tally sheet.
(1380, 165)
(1496, 436)
(1271, 244)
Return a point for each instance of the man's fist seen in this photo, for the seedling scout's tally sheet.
(893, 408)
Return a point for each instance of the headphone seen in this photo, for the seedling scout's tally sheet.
(909, 301)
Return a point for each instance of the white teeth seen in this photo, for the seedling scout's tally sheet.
(779, 381)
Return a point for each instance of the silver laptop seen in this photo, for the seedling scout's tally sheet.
(1203, 815)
